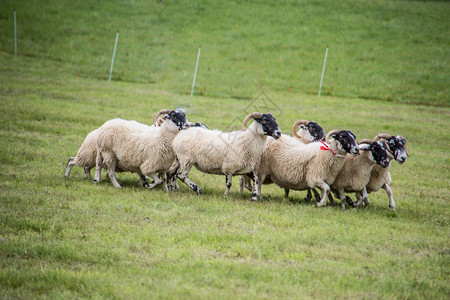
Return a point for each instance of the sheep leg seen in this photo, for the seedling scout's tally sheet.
(359, 197)
(241, 184)
(341, 194)
(248, 181)
(365, 197)
(142, 181)
(87, 172)
(156, 180)
(330, 197)
(111, 170)
(98, 167)
(391, 198)
(164, 176)
(172, 179)
(69, 166)
(350, 201)
(316, 195)
(183, 175)
(228, 182)
(172, 175)
(308, 195)
(255, 186)
(248, 185)
(325, 189)
(259, 185)
(286, 193)
(245, 182)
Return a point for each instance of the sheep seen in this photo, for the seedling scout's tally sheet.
(355, 174)
(294, 165)
(309, 132)
(86, 157)
(147, 151)
(223, 153)
(87, 154)
(173, 179)
(381, 177)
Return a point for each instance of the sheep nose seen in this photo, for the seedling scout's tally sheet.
(277, 134)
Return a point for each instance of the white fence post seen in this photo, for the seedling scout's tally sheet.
(114, 55)
(195, 72)
(323, 70)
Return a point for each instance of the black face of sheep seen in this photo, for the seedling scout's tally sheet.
(316, 131)
(178, 118)
(397, 146)
(269, 125)
(348, 141)
(379, 154)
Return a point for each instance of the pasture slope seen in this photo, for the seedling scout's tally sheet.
(387, 72)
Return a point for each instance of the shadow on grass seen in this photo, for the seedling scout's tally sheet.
(130, 181)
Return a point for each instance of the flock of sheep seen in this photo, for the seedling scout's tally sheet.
(334, 163)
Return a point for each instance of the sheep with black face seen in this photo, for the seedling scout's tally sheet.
(309, 132)
(355, 174)
(87, 153)
(147, 151)
(380, 178)
(298, 166)
(223, 153)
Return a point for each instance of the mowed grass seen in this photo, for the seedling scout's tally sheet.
(71, 238)
(390, 50)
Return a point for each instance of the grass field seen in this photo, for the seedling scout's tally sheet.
(390, 50)
(73, 239)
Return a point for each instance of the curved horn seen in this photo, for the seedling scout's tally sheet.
(382, 136)
(160, 121)
(365, 141)
(250, 116)
(296, 124)
(163, 111)
(334, 131)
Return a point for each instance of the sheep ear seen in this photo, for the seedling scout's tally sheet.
(303, 127)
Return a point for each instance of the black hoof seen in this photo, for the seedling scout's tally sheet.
(350, 202)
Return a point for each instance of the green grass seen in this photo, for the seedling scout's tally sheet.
(73, 239)
(390, 50)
